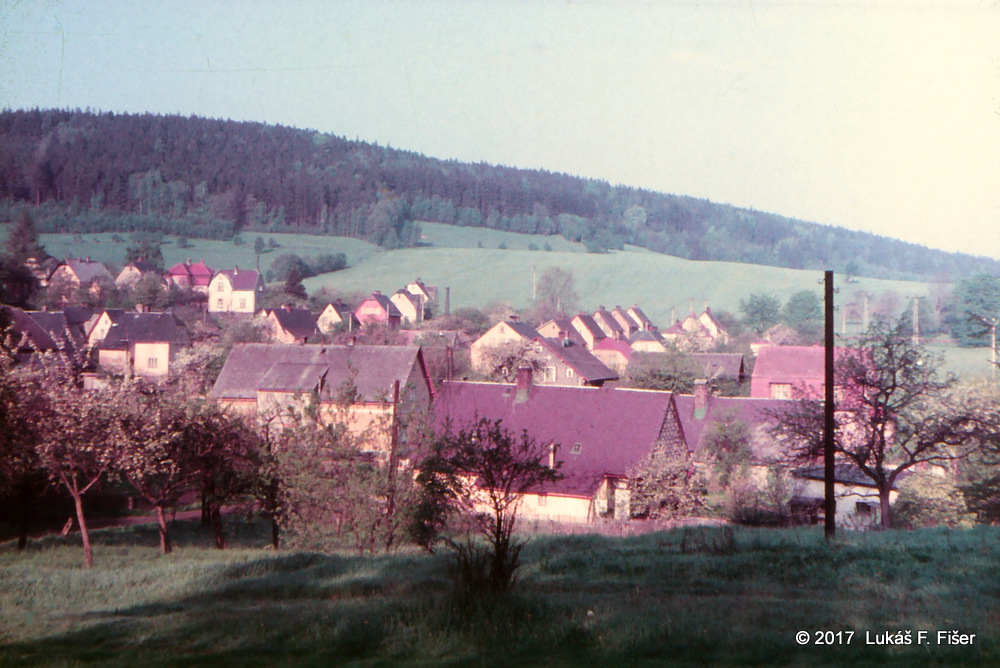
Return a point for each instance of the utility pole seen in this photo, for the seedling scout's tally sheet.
(916, 321)
(829, 472)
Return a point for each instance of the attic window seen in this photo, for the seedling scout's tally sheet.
(577, 449)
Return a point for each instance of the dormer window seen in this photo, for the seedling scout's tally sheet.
(576, 449)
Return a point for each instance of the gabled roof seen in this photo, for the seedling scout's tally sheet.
(143, 267)
(522, 328)
(590, 325)
(617, 345)
(578, 358)
(645, 335)
(429, 291)
(197, 269)
(603, 315)
(86, 269)
(625, 318)
(408, 296)
(384, 302)
(60, 326)
(751, 411)
(844, 473)
(28, 335)
(640, 317)
(719, 365)
(241, 279)
(262, 366)
(131, 327)
(564, 325)
(299, 322)
(615, 428)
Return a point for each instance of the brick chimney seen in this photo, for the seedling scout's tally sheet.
(524, 374)
(700, 399)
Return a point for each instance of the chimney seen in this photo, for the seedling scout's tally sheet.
(447, 300)
(236, 270)
(552, 455)
(523, 384)
(700, 399)
(514, 317)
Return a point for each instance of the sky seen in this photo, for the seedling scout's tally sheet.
(881, 115)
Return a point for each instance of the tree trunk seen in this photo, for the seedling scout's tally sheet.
(88, 552)
(886, 509)
(161, 521)
(217, 528)
(275, 533)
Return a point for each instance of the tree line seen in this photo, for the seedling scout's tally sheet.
(213, 178)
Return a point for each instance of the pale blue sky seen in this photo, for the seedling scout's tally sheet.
(882, 116)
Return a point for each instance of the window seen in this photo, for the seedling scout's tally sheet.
(152, 363)
(569, 373)
(218, 303)
(576, 449)
(243, 302)
(549, 374)
(218, 286)
(543, 499)
(781, 390)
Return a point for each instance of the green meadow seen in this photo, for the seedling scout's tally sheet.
(718, 596)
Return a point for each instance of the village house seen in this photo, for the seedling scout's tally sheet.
(560, 328)
(626, 321)
(720, 366)
(68, 327)
(134, 271)
(290, 325)
(145, 343)
(337, 316)
(609, 324)
(697, 332)
(613, 353)
(639, 317)
(647, 341)
(857, 497)
(188, 276)
(425, 296)
(600, 436)
(510, 333)
(564, 362)
(789, 372)
(588, 330)
(379, 311)
(235, 291)
(410, 307)
(366, 388)
(27, 337)
(81, 271)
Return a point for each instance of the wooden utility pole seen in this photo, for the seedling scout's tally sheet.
(830, 502)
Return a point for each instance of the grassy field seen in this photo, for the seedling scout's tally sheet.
(451, 256)
(687, 597)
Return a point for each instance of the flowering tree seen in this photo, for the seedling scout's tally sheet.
(894, 413)
(483, 471)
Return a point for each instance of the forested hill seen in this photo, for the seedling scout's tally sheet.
(212, 178)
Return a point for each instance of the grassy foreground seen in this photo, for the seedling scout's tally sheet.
(696, 596)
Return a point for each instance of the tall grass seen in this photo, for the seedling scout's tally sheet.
(694, 596)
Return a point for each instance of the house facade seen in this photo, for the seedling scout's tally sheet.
(351, 385)
(143, 343)
(598, 435)
(336, 316)
(505, 334)
(235, 291)
(379, 311)
(410, 307)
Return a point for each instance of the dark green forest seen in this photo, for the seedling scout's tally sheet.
(198, 177)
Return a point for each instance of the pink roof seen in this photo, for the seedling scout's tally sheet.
(241, 279)
(615, 428)
(800, 366)
(614, 344)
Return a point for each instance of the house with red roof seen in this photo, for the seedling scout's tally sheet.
(191, 276)
(291, 325)
(378, 310)
(699, 413)
(788, 372)
(599, 435)
(614, 353)
(235, 291)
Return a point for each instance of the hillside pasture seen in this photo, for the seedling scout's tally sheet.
(694, 596)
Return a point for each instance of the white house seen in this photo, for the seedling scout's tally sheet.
(235, 291)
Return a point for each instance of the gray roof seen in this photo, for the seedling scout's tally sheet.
(251, 367)
(581, 360)
(242, 279)
(130, 327)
